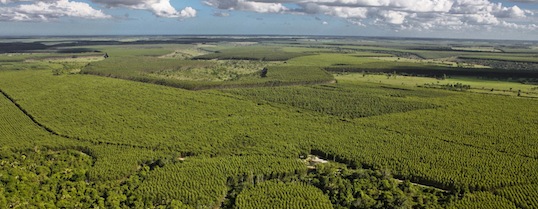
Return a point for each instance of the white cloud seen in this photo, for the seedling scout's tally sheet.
(254, 6)
(416, 5)
(161, 8)
(47, 10)
(338, 11)
(481, 19)
(512, 12)
(406, 14)
(393, 17)
(10, 1)
(187, 12)
(396, 14)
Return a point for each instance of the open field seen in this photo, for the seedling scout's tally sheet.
(445, 63)
(178, 125)
(264, 53)
(511, 88)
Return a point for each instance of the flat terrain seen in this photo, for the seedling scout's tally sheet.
(500, 87)
(194, 122)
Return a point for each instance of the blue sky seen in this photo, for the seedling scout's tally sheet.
(489, 19)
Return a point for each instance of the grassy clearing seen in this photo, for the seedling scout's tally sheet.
(217, 70)
(184, 53)
(84, 59)
(476, 49)
(203, 74)
(54, 67)
(22, 57)
(431, 54)
(477, 85)
(504, 57)
(137, 50)
(265, 53)
(358, 63)
(326, 60)
(304, 50)
(443, 63)
(8, 66)
(57, 63)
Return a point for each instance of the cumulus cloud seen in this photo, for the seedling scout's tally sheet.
(403, 14)
(58, 8)
(47, 10)
(338, 11)
(10, 1)
(512, 12)
(397, 14)
(416, 5)
(393, 17)
(161, 8)
(255, 6)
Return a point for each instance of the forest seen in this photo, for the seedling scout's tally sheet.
(267, 122)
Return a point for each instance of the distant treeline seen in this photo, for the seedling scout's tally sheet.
(76, 50)
(436, 71)
(21, 47)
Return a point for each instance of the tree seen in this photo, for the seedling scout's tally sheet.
(56, 71)
(176, 204)
(264, 72)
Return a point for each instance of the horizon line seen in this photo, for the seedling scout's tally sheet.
(262, 35)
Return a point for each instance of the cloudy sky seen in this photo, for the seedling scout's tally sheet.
(489, 19)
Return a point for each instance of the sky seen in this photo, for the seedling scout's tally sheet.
(468, 19)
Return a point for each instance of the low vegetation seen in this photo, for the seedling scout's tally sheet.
(260, 53)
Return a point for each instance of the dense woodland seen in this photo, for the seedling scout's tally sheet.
(129, 131)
